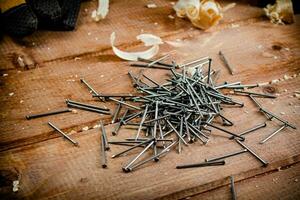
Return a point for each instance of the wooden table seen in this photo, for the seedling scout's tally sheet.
(49, 167)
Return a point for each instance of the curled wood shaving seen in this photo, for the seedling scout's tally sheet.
(281, 12)
(147, 39)
(202, 13)
(102, 10)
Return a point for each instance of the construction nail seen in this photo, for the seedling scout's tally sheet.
(222, 57)
(125, 104)
(167, 149)
(254, 94)
(265, 163)
(63, 134)
(142, 122)
(203, 164)
(104, 136)
(251, 129)
(88, 108)
(174, 129)
(121, 122)
(103, 153)
(232, 189)
(47, 114)
(68, 101)
(230, 133)
(90, 87)
(273, 134)
(131, 148)
(139, 155)
(278, 118)
(226, 156)
(116, 113)
(259, 106)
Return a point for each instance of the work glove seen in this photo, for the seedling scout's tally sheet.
(20, 18)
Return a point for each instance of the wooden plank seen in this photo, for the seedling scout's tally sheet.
(57, 169)
(282, 184)
(49, 167)
(52, 84)
(127, 18)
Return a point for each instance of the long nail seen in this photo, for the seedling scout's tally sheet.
(278, 118)
(260, 107)
(167, 149)
(203, 164)
(47, 114)
(139, 155)
(90, 87)
(116, 113)
(273, 134)
(125, 104)
(103, 153)
(174, 129)
(255, 94)
(230, 133)
(63, 134)
(121, 122)
(86, 105)
(265, 163)
(251, 129)
(227, 155)
(142, 122)
(104, 135)
(232, 189)
(131, 148)
(88, 108)
(222, 57)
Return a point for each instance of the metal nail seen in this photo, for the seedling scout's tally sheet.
(273, 134)
(63, 134)
(222, 57)
(203, 164)
(251, 129)
(103, 153)
(47, 114)
(265, 163)
(104, 135)
(230, 133)
(227, 155)
(232, 189)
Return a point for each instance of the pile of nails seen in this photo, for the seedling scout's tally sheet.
(180, 111)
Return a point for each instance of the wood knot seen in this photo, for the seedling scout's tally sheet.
(269, 89)
(276, 47)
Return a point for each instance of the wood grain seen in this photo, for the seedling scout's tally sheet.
(49, 167)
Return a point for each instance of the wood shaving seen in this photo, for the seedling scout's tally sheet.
(85, 128)
(286, 77)
(147, 39)
(74, 111)
(16, 185)
(72, 132)
(21, 61)
(151, 5)
(202, 13)
(281, 12)
(102, 10)
(96, 126)
(171, 16)
(274, 81)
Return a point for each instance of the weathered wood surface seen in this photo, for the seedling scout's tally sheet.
(49, 167)
(282, 184)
